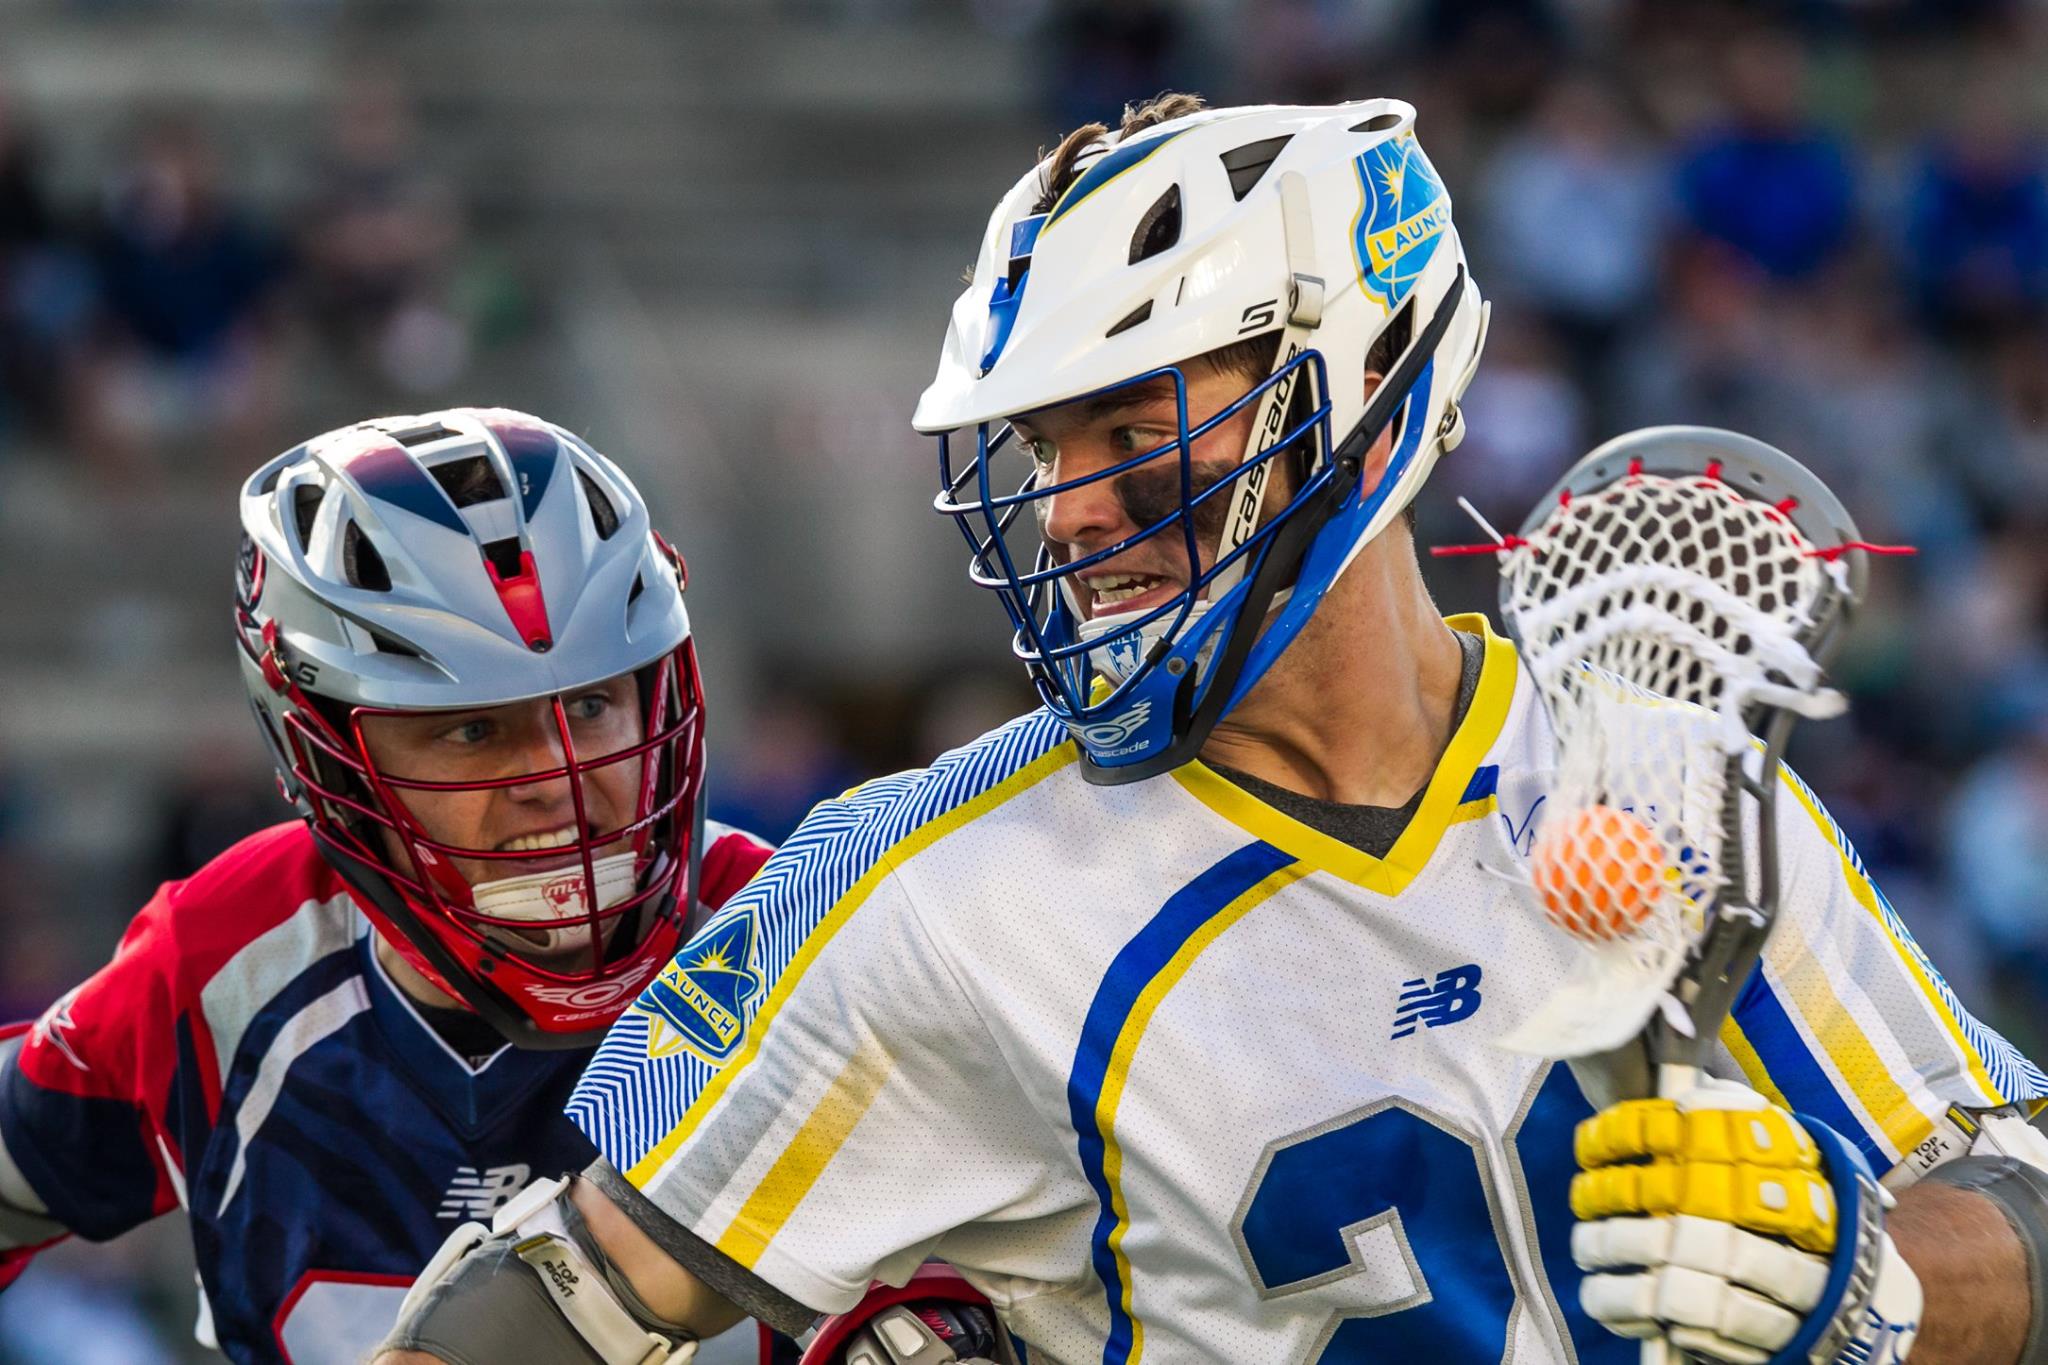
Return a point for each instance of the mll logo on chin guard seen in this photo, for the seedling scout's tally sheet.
(698, 1002)
(1401, 220)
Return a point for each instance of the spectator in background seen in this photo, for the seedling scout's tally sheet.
(187, 277)
(1878, 401)
(2001, 455)
(221, 795)
(1525, 419)
(1768, 183)
(789, 758)
(379, 239)
(1713, 355)
(1312, 51)
(44, 287)
(1976, 245)
(1998, 858)
(1109, 52)
(1573, 212)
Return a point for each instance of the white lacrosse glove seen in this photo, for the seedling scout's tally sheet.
(1738, 1232)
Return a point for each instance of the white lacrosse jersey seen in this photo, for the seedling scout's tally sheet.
(1173, 1077)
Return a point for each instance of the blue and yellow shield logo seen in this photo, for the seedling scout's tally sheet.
(698, 1002)
(1402, 216)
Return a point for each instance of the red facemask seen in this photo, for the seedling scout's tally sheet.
(619, 896)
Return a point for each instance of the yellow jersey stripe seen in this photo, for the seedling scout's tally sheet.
(1866, 896)
(911, 844)
(806, 1156)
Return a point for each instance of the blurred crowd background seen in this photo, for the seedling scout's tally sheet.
(719, 239)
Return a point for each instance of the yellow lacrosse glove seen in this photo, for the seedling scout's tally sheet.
(1711, 1219)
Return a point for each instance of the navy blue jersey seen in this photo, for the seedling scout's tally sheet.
(247, 1057)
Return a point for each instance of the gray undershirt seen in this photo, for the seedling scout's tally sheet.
(1369, 829)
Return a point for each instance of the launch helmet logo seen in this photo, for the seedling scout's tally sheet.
(697, 1004)
(1401, 220)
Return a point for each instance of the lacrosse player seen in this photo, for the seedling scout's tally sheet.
(467, 650)
(1169, 1015)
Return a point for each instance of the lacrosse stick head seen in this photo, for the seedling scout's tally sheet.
(1675, 597)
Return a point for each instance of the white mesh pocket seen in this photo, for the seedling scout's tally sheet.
(1653, 614)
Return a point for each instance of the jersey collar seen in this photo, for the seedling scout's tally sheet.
(472, 1099)
(1457, 790)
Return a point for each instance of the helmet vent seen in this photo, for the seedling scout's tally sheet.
(1159, 229)
(1136, 316)
(504, 556)
(469, 481)
(360, 562)
(639, 586)
(1247, 165)
(1378, 123)
(305, 506)
(602, 512)
(419, 436)
(386, 645)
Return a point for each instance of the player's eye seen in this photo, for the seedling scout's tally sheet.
(1137, 440)
(472, 731)
(1042, 451)
(589, 706)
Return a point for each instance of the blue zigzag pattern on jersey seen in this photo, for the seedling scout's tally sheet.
(627, 1102)
(2011, 1071)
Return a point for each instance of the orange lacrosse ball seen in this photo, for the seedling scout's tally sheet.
(1599, 871)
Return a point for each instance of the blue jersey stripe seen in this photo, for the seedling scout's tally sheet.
(2012, 1073)
(1485, 781)
(1142, 959)
(1794, 1070)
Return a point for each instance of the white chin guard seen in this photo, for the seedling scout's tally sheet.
(541, 897)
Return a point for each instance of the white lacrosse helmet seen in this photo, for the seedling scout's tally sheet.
(1325, 227)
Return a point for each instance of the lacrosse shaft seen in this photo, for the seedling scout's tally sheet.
(1673, 1080)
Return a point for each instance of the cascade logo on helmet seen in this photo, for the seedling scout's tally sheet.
(1108, 734)
(1266, 200)
(470, 657)
(588, 997)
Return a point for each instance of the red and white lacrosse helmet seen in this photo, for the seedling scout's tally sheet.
(455, 562)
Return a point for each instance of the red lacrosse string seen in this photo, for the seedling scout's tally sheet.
(1834, 552)
(1489, 548)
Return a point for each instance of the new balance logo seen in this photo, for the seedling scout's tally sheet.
(476, 1195)
(1454, 995)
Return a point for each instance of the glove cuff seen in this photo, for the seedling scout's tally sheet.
(1874, 1294)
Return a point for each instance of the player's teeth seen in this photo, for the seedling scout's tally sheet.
(1113, 588)
(527, 843)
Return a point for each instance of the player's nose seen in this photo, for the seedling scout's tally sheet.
(540, 754)
(1086, 515)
